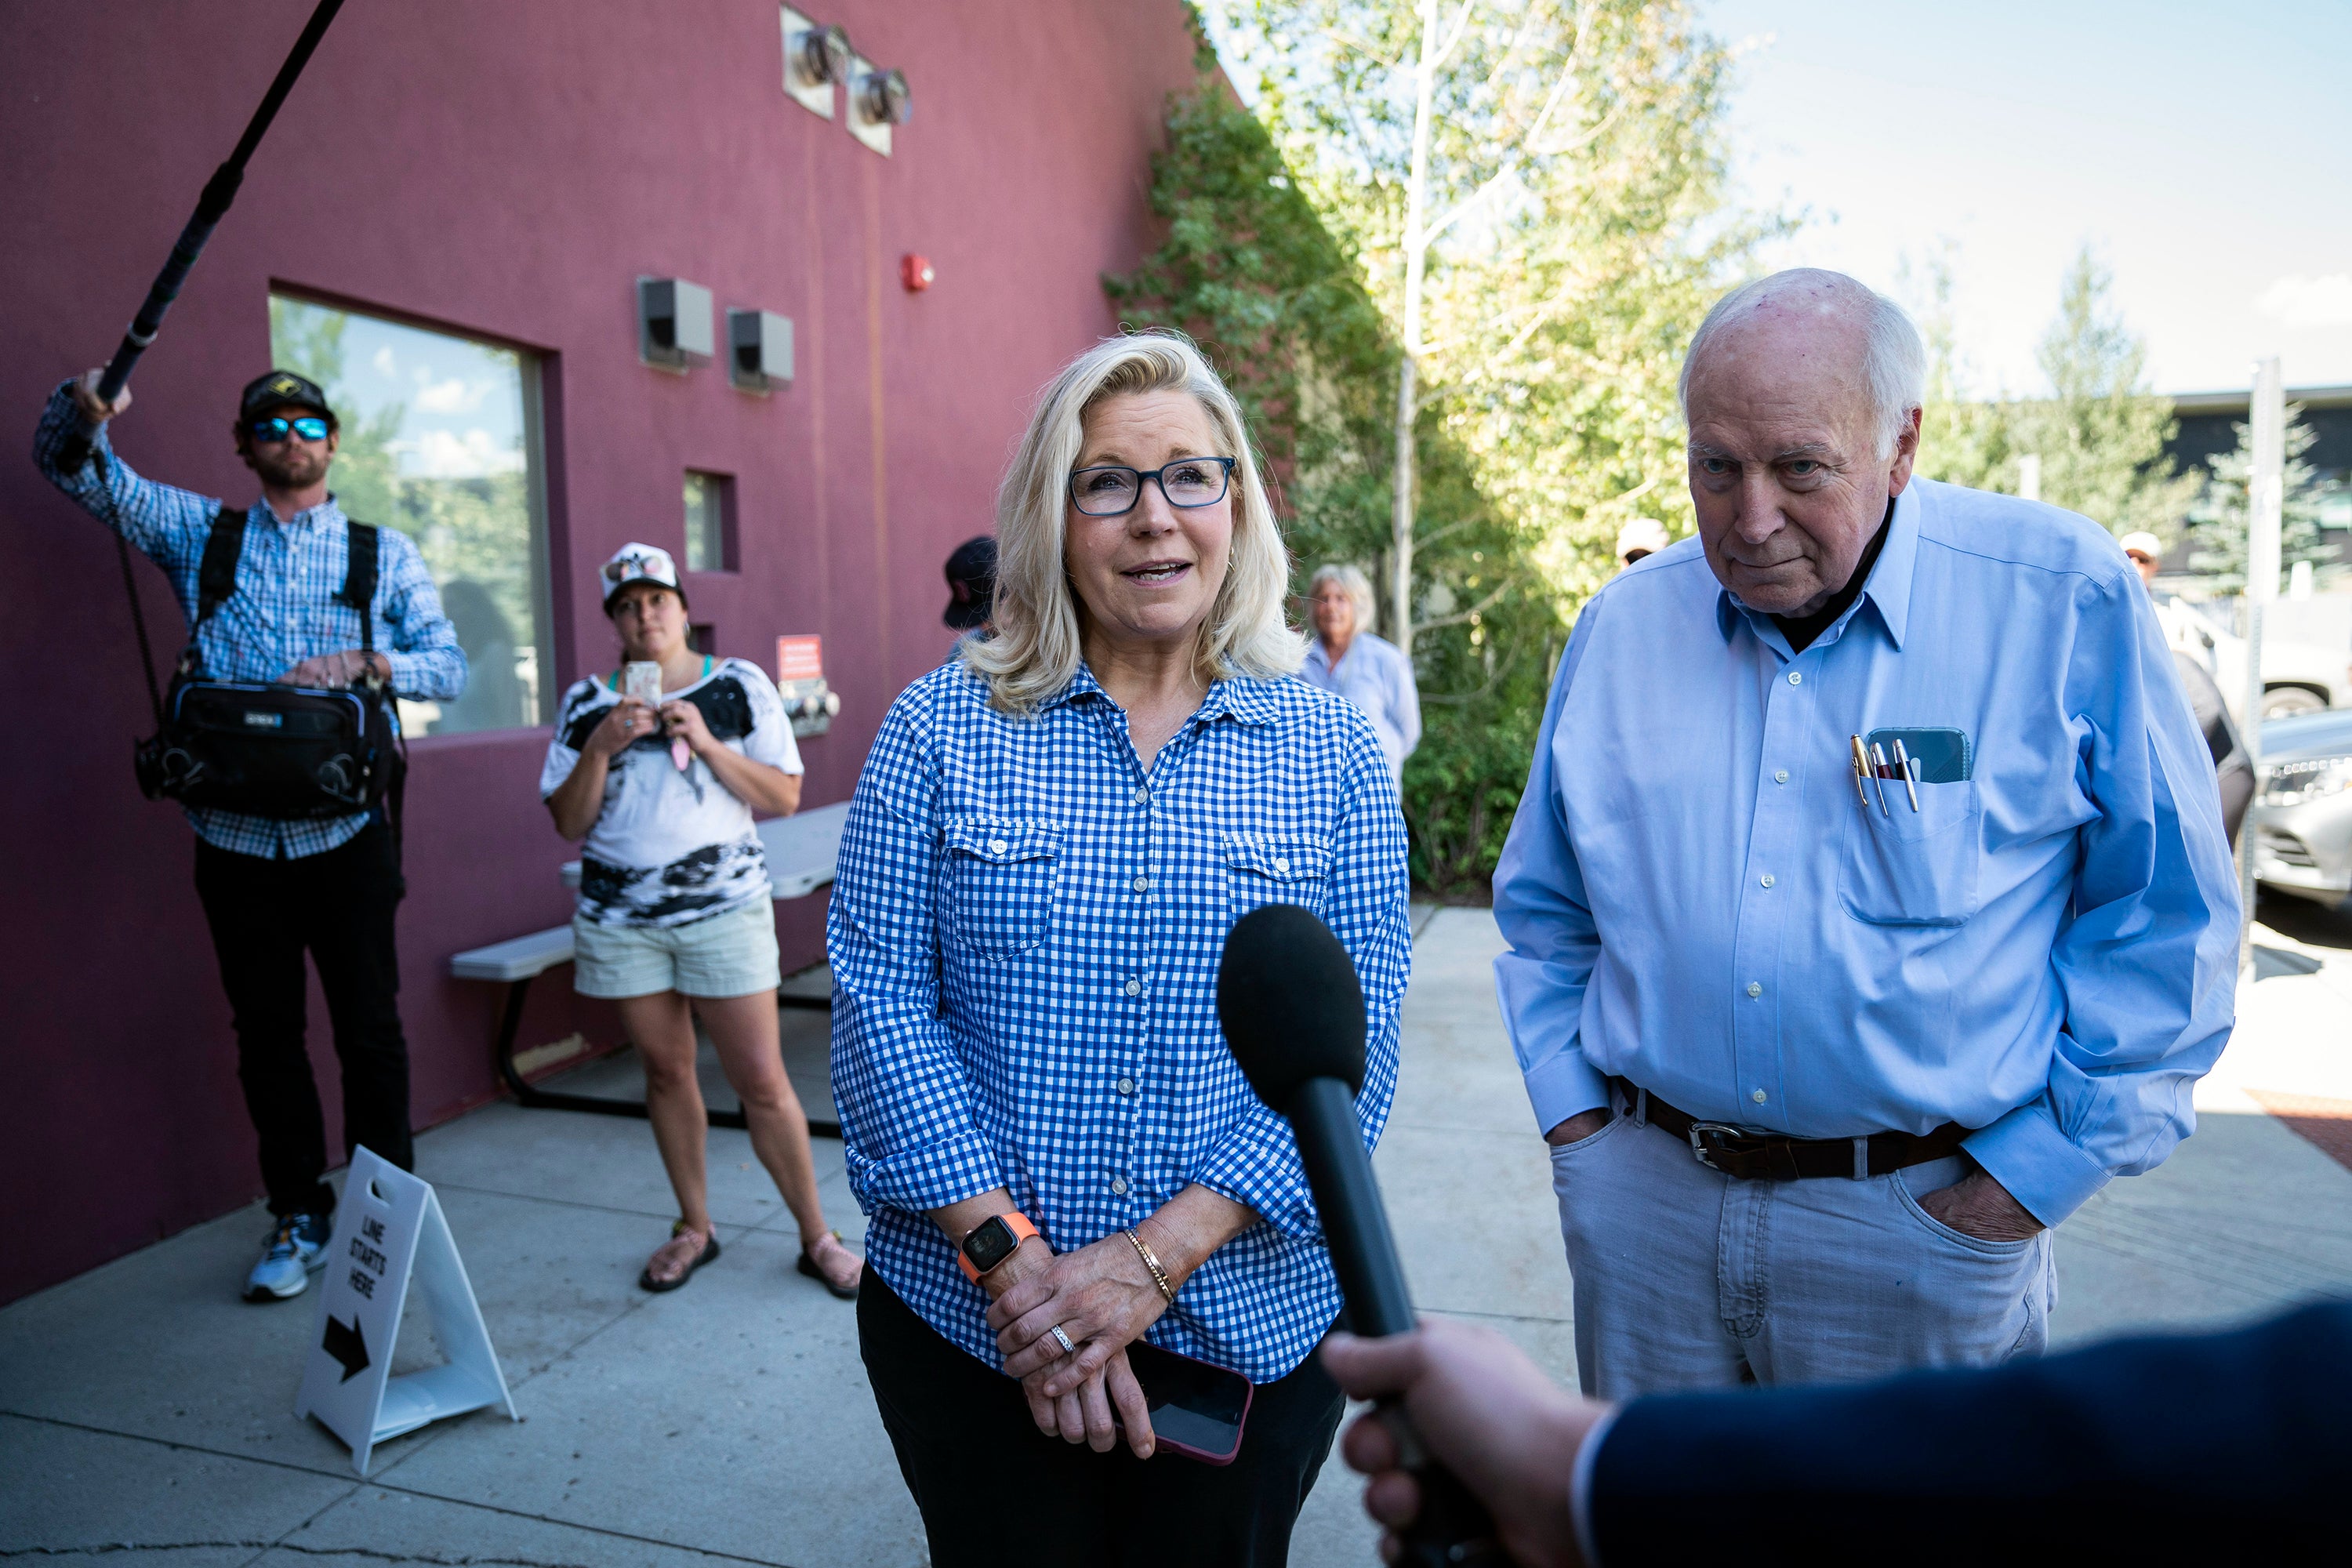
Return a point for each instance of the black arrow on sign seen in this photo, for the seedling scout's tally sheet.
(347, 1345)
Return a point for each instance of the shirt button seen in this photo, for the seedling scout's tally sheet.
(1781, 777)
(1759, 1097)
(1796, 677)
(1765, 878)
(1281, 865)
(1142, 884)
(1118, 1186)
(996, 846)
(1135, 988)
(1126, 1086)
(1142, 795)
(1755, 988)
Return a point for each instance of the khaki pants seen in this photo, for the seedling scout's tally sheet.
(1688, 1278)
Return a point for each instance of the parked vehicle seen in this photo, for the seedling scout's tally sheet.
(2297, 677)
(2303, 811)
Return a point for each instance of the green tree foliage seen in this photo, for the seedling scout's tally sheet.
(2100, 437)
(2218, 521)
(1277, 300)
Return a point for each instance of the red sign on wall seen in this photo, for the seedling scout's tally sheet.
(800, 658)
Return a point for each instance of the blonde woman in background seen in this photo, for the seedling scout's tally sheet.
(1370, 671)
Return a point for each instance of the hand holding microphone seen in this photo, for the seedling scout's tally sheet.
(1293, 1011)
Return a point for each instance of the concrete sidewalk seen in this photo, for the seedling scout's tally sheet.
(144, 1410)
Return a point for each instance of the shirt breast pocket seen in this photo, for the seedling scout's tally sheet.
(1274, 868)
(998, 878)
(1903, 867)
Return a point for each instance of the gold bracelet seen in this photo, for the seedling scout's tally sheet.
(1158, 1275)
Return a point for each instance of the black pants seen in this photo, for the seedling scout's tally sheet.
(994, 1489)
(339, 905)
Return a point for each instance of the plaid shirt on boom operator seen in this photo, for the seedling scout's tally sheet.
(285, 609)
(1025, 936)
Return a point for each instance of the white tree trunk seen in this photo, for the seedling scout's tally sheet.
(1415, 224)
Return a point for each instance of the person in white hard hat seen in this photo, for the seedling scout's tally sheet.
(1643, 536)
(2146, 551)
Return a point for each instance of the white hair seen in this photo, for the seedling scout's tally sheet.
(1354, 583)
(1893, 359)
(1036, 649)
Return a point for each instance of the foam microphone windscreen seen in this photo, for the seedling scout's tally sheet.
(1290, 1003)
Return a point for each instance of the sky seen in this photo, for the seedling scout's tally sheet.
(2203, 151)
(461, 401)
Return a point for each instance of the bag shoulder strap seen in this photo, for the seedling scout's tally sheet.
(216, 573)
(359, 579)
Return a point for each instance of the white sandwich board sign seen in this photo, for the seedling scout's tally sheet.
(390, 1234)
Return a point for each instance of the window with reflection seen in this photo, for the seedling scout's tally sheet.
(440, 441)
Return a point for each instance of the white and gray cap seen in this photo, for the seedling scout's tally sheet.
(639, 563)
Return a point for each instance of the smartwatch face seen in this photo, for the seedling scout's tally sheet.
(991, 1245)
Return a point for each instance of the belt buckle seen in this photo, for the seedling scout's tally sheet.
(1703, 1150)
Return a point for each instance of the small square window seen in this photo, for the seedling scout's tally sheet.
(702, 637)
(709, 522)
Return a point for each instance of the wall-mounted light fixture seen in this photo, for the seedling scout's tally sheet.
(878, 99)
(674, 323)
(915, 273)
(816, 57)
(760, 350)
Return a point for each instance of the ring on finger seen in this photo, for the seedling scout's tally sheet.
(1063, 1339)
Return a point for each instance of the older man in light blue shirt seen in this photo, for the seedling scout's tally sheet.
(1868, 905)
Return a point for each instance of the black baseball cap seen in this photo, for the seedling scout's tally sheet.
(280, 389)
(971, 583)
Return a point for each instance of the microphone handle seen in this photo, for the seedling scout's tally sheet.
(1452, 1529)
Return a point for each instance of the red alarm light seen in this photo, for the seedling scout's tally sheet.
(915, 272)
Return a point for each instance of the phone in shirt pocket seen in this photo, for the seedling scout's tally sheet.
(998, 878)
(1907, 867)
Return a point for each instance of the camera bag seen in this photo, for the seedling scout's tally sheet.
(267, 749)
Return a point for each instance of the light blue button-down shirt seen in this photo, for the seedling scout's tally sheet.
(1697, 900)
(1377, 677)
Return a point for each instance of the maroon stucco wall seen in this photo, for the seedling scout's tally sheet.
(508, 168)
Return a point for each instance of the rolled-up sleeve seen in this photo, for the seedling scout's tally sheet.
(2147, 957)
(1367, 907)
(1543, 912)
(907, 1133)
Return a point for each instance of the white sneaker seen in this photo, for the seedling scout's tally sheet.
(295, 1250)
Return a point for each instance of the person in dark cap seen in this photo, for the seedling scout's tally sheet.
(972, 585)
(274, 887)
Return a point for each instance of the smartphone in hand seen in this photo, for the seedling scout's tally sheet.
(1197, 1409)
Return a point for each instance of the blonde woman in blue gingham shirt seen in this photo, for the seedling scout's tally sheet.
(1050, 841)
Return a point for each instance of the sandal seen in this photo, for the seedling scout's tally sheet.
(709, 1251)
(810, 1266)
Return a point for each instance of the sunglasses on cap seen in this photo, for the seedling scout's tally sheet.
(310, 427)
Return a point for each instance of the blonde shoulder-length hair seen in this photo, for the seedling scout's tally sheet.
(1034, 648)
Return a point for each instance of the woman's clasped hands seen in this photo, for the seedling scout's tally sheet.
(1102, 1298)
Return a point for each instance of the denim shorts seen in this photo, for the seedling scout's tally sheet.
(729, 953)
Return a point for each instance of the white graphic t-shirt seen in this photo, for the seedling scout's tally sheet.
(673, 845)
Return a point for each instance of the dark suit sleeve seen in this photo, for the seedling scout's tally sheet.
(2218, 1448)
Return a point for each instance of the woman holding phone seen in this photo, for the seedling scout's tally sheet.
(659, 766)
(1057, 1154)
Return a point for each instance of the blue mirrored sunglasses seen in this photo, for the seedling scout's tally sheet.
(310, 427)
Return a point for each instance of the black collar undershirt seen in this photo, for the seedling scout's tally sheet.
(1800, 630)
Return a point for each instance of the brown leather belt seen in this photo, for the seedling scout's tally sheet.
(1777, 1157)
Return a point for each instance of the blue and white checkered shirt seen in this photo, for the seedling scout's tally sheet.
(284, 610)
(1024, 934)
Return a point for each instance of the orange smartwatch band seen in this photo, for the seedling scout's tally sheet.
(1014, 1221)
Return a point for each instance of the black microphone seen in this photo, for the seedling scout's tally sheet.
(1293, 1011)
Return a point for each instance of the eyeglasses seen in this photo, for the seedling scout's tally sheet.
(310, 427)
(1113, 489)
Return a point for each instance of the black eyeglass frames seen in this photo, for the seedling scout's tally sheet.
(1114, 490)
